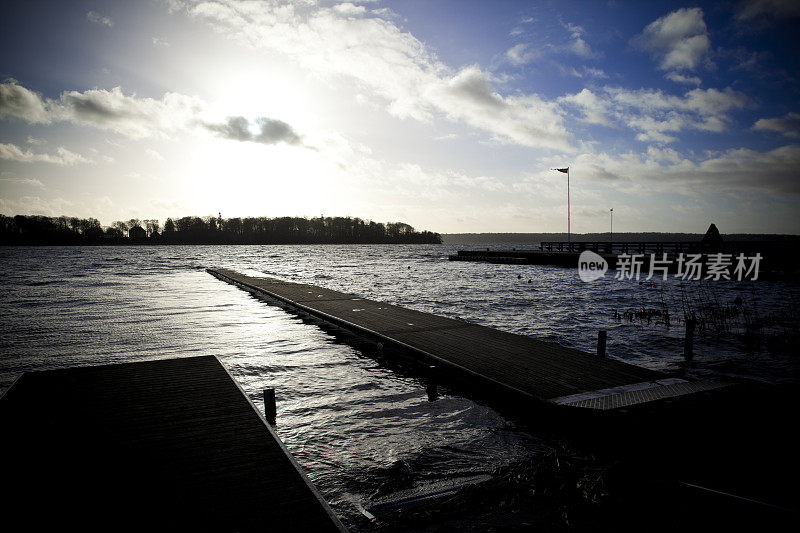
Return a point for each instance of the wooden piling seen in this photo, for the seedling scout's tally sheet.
(270, 410)
(688, 341)
(601, 343)
(431, 385)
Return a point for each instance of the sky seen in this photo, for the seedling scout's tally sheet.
(447, 115)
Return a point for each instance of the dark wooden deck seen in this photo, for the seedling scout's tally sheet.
(158, 445)
(525, 367)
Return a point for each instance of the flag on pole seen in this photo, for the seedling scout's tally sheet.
(564, 170)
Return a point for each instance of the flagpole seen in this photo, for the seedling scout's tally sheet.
(568, 221)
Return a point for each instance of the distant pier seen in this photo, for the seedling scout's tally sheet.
(167, 445)
(777, 257)
(516, 367)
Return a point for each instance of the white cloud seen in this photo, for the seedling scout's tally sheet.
(35, 205)
(110, 110)
(29, 182)
(681, 78)
(97, 18)
(136, 117)
(678, 40)
(154, 154)
(63, 157)
(576, 44)
(18, 102)
(524, 120)
(655, 115)
(160, 42)
(594, 73)
(393, 64)
(788, 125)
(594, 108)
(522, 54)
(126, 114)
(349, 10)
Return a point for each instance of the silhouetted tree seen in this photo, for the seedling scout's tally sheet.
(169, 227)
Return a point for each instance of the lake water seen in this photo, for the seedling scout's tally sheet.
(362, 430)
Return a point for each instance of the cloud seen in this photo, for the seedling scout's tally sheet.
(349, 10)
(126, 114)
(656, 115)
(28, 182)
(97, 18)
(664, 170)
(679, 40)
(522, 54)
(752, 9)
(110, 110)
(131, 116)
(680, 78)
(160, 42)
(594, 108)
(469, 96)
(63, 157)
(594, 73)
(576, 44)
(788, 125)
(269, 131)
(154, 154)
(393, 64)
(35, 205)
(19, 102)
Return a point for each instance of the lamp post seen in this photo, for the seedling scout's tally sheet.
(612, 224)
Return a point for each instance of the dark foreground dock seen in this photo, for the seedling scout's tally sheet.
(151, 446)
(516, 366)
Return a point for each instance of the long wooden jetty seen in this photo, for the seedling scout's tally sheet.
(519, 367)
(148, 446)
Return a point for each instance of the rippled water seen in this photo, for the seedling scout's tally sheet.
(363, 430)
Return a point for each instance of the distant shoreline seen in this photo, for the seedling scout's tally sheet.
(535, 238)
(126, 242)
(38, 230)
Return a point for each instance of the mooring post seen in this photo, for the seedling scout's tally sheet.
(601, 343)
(270, 412)
(688, 342)
(431, 384)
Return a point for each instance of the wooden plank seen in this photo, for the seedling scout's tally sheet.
(523, 365)
(168, 444)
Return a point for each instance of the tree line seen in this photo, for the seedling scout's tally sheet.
(37, 229)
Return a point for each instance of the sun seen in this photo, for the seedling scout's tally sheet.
(276, 93)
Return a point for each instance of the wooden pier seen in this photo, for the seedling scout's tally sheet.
(776, 257)
(520, 368)
(149, 446)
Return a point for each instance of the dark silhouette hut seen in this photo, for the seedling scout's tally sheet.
(137, 233)
(712, 240)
